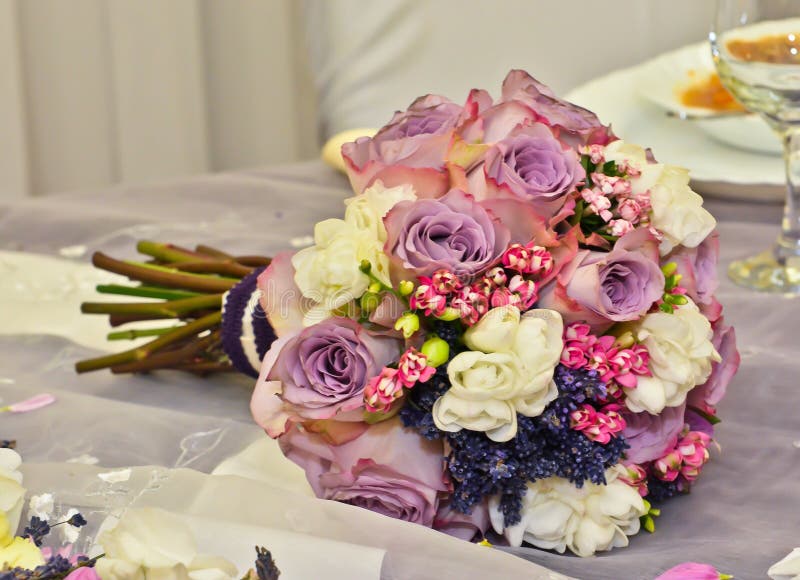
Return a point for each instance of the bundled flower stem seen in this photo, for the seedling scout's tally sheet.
(182, 285)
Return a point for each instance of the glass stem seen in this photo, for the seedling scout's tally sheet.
(788, 245)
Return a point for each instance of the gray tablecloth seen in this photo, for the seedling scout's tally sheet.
(743, 515)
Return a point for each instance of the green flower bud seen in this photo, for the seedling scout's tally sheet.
(679, 299)
(405, 288)
(669, 268)
(449, 315)
(408, 323)
(369, 302)
(375, 287)
(624, 340)
(365, 266)
(437, 351)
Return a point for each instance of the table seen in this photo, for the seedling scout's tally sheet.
(742, 516)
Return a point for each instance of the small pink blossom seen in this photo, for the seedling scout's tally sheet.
(382, 391)
(504, 297)
(517, 257)
(635, 476)
(445, 282)
(693, 449)
(412, 368)
(541, 261)
(494, 278)
(630, 209)
(573, 357)
(595, 152)
(596, 425)
(525, 289)
(668, 468)
(620, 227)
(692, 571)
(611, 185)
(577, 331)
(426, 298)
(471, 304)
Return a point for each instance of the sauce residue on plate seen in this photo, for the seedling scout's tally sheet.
(707, 91)
(775, 49)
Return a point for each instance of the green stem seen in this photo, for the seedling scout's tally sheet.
(169, 309)
(253, 261)
(212, 252)
(221, 267)
(143, 351)
(154, 275)
(171, 359)
(145, 291)
(167, 252)
(135, 333)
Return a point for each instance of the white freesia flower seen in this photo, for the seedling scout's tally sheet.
(152, 543)
(328, 273)
(508, 370)
(556, 515)
(788, 568)
(681, 354)
(677, 211)
(366, 211)
(41, 506)
(12, 494)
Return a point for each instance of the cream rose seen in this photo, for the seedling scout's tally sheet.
(153, 543)
(12, 494)
(677, 211)
(681, 354)
(556, 515)
(508, 370)
(366, 211)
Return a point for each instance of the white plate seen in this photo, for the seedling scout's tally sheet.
(661, 79)
(717, 169)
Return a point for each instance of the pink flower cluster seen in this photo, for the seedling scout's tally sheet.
(582, 349)
(383, 390)
(635, 476)
(597, 425)
(508, 285)
(687, 459)
(612, 198)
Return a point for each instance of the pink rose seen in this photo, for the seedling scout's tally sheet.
(466, 527)
(281, 299)
(387, 469)
(411, 148)
(712, 391)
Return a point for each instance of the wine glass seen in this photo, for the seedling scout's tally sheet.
(756, 49)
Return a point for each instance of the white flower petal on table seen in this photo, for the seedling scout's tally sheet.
(788, 568)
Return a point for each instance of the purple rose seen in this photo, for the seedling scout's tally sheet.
(601, 287)
(698, 266)
(319, 373)
(711, 392)
(387, 469)
(411, 148)
(533, 166)
(453, 232)
(652, 436)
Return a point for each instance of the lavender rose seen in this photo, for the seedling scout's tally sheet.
(698, 266)
(453, 232)
(387, 469)
(651, 436)
(601, 288)
(319, 373)
(410, 149)
(533, 166)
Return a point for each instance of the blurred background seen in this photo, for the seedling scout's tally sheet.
(100, 92)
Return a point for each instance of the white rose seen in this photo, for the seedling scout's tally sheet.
(328, 273)
(12, 494)
(556, 515)
(153, 543)
(681, 354)
(508, 371)
(788, 568)
(677, 211)
(366, 211)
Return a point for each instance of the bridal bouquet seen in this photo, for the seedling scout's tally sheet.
(513, 328)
